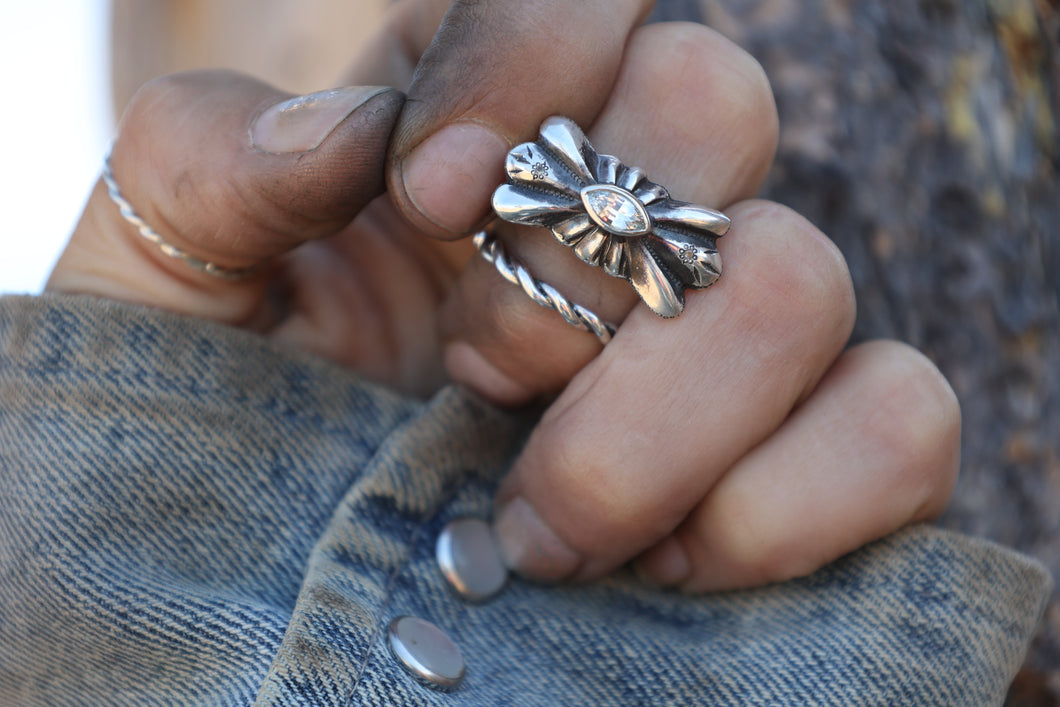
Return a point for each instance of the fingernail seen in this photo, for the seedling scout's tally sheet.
(301, 123)
(465, 364)
(530, 547)
(665, 565)
(450, 177)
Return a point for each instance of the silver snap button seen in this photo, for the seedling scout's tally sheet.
(426, 653)
(470, 560)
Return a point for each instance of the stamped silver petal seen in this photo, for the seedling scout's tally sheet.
(690, 215)
(564, 137)
(614, 262)
(607, 167)
(573, 229)
(650, 192)
(630, 178)
(694, 259)
(593, 246)
(531, 165)
(651, 282)
(533, 207)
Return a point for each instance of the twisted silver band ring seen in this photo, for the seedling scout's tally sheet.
(612, 216)
(541, 292)
(149, 234)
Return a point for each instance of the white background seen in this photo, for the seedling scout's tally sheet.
(56, 124)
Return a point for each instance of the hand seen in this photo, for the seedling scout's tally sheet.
(735, 445)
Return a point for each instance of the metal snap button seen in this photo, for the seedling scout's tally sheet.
(470, 560)
(426, 652)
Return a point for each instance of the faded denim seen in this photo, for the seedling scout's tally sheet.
(191, 515)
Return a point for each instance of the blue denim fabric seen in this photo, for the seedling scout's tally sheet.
(189, 515)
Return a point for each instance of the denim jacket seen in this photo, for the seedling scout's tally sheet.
(192, 515)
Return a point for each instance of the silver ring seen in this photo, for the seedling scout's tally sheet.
(539, 291)
(151, 235)
(612, 216)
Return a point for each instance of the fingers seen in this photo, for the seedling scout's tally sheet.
(692, 110)
(645, 430)
(494, 70)
(876, 447)
(230, 171)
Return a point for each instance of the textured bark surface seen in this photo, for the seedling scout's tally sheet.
(922, 136)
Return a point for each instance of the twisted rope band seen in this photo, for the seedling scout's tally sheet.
(540, 292)
(148, 233)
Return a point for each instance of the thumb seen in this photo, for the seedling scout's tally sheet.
(230, 171)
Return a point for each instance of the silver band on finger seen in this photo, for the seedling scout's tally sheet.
(612, 216)
(541, 292)
(149, 234)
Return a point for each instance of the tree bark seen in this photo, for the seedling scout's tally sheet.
(922, 136)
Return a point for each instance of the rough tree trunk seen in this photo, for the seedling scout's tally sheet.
(922, 136)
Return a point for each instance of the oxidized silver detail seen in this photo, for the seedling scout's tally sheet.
(612, 216)
(541, 292)
(149, 234)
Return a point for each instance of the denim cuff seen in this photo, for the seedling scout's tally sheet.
(190, 514)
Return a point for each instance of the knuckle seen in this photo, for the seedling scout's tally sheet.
(799, 274)
(917, 416)
(601, 503)
(716, 72)
(149, 102)
(168, 93)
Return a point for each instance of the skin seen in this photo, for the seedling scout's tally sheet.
(738, 444)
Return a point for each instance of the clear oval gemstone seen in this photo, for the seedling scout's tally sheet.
(616, 210)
